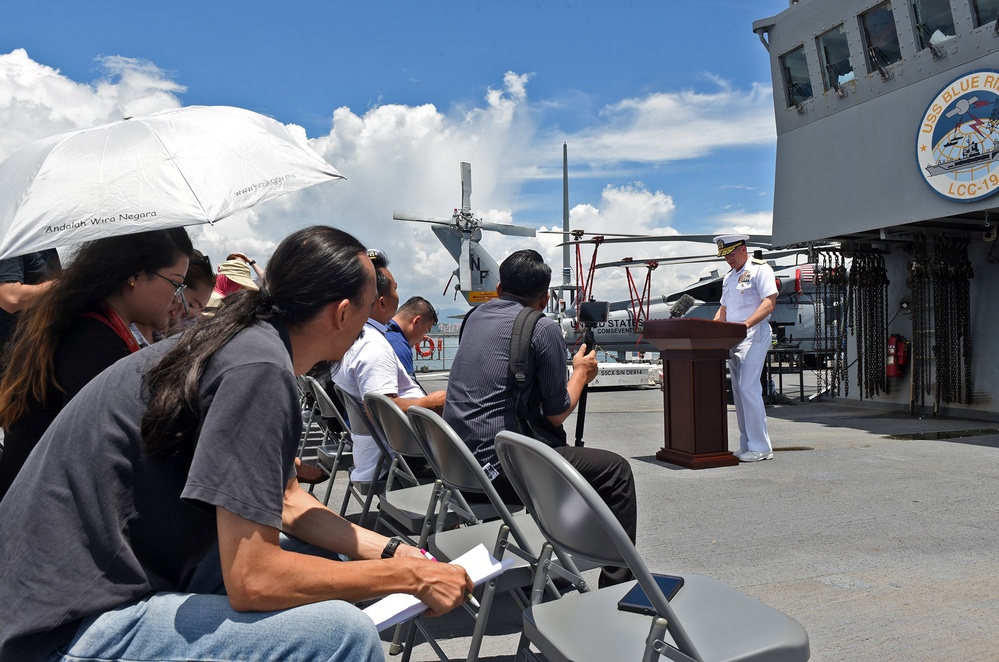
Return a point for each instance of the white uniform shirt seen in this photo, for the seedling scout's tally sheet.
(372, 366)
(744, 290)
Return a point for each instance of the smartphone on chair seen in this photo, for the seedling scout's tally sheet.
(636, 600)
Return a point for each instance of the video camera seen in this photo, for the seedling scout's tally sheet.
(590, 314)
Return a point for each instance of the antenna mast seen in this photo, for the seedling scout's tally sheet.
(566, 269)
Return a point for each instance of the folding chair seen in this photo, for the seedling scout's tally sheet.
(706, 620)
(410, 508)
(308, 404)
(514, 534)
(336, 454)
(361, 491)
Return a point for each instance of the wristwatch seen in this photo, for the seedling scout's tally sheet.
(390, 548)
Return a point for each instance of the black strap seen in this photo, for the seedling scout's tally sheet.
(520, 346)
(461, 329)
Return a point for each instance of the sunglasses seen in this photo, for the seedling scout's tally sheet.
(203, 260)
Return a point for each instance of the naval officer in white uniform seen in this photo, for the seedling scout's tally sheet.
(749, 294)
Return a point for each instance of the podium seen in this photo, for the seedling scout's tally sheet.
(695, 412)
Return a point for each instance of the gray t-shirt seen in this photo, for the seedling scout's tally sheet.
(91, 522)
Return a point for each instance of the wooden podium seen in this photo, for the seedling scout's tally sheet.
(694, 352)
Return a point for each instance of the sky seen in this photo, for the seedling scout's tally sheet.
(666, 108)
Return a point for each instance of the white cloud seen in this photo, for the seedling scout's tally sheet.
(673, 126)
(37, 101)
(406, 157)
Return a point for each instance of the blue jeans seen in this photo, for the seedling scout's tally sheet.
(201, 625)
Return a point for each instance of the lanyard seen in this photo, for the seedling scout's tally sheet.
(113, 320)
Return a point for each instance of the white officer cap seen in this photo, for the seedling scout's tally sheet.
(727, 243)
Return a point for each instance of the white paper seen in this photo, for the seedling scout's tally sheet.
(398, 607)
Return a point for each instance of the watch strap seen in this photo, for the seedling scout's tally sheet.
(391, 546)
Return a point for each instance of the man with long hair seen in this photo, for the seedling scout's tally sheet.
(189, 446)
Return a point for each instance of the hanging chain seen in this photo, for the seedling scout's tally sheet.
(919, 285)
(965, 274)
(867, 295)
(941, 355)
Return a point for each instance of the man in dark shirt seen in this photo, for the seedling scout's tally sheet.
(480, 392)
(22, 280)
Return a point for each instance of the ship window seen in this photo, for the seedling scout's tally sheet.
(881, 37)
(796, 82)
(834, 58)
(934, 22)
(986, 11)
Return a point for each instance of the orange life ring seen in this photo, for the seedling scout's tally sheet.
(427, 342)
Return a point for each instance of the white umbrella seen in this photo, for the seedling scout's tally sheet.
(178, 167)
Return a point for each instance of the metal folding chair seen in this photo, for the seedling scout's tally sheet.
(309, 410)
(707, 621)
(410, 506)
(363, 492)
(508, 534)
(334, 450)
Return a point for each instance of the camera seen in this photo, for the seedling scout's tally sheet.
(590, 314)
(593, 312)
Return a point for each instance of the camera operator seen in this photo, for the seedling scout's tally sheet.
(480, 394)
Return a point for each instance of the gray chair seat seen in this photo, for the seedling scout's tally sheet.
(448, 545)
(706, 620)
(407, 506)
(726, 625)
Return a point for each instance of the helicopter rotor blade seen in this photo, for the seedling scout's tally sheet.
(693, 259)
(466, 186)
(589, 234)
(420, 218)
(754, 239)
(514, 230)
(464, 264)
(660, 261)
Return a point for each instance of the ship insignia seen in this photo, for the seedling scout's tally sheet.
(957, 146)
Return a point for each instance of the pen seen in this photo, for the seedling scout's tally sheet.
(427, 555)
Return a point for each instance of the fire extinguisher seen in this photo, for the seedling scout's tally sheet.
(898, 356)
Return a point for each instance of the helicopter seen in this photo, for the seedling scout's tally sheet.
(477, 272)
(622, 330)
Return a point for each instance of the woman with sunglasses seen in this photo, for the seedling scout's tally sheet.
(187, 446)
(80, 327)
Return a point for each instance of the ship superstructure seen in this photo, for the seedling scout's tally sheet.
(887, 120)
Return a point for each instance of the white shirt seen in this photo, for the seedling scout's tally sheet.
(372, 366)
(743, 291)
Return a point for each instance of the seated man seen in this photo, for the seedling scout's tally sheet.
(371, 366)
(413, 321)
(185, 447)
(480, 391)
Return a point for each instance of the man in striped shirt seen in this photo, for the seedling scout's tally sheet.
(480, 393)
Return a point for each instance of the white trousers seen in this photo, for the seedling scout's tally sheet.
(745, 364)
